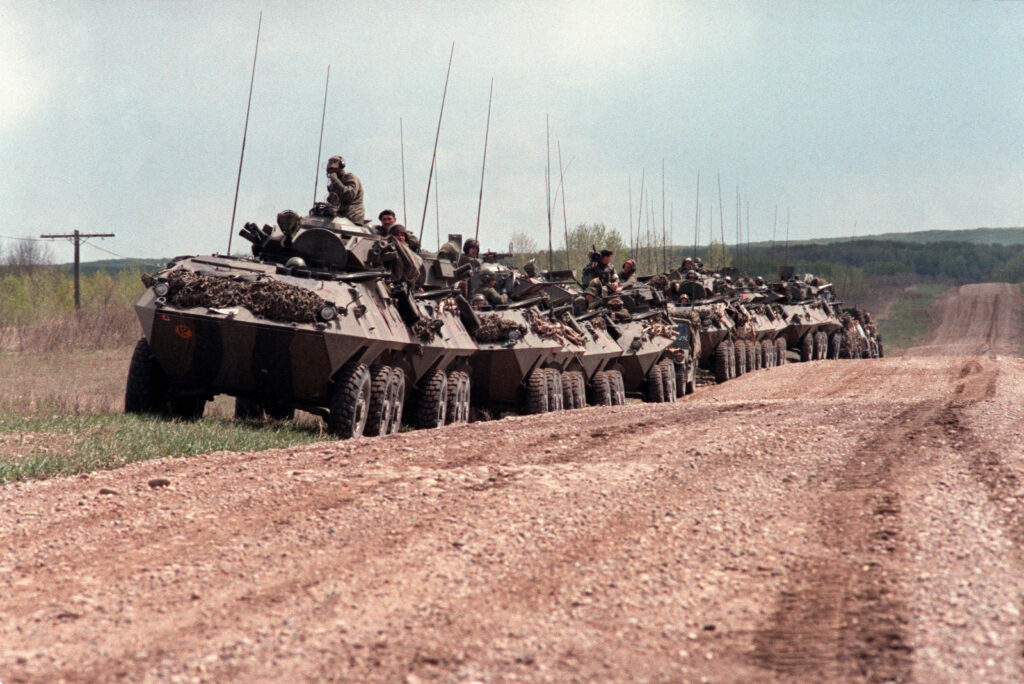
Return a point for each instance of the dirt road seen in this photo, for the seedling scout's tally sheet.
(839, 521)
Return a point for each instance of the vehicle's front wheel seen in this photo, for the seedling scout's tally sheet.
(146, 388)
(350, 401)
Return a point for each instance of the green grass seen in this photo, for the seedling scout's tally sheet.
(42, 446)
(909, 318)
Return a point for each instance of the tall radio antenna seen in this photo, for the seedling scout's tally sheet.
(245, 131)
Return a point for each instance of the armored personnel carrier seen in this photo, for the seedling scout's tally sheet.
(811, 316)
(324, 317)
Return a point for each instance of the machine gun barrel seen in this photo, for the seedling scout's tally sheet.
(492, 257)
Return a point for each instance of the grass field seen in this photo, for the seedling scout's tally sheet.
(62, 414)
(908, 319)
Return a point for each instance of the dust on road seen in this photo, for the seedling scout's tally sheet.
(842, 521)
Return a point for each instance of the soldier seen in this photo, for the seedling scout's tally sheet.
(479, 302)
(601, 267)
(398, 231)
(470, 254)
(345, 191)
(627, 278)
(387, 219)
(486, 288)
(687, 264)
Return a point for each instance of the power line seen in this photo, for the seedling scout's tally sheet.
(76, 238)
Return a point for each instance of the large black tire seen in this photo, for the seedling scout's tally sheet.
(432, 400)
(681, 379)
(767, 354)
(397, 400)
(732, 359)
(579, 390)
(741, 357)
(600, 390)
(568, 385)
(834, 341)
(458, 397)
(248, 409)
(146, 389)
(691, 379)
(668, 381)
(722, 362)
(881, 349)
(350, 401)
(821, 345)
(378, 416)
(537, 392)
(654, 388)
(780, 351)
(753, 356)
(807, 347)
(616, 387)
(554, 379)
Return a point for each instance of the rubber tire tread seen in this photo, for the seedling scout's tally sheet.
(537, 392)
(722, 362)
(432, 404)
(600, 388)
(343, 412)
(140, 393)
(379, 413)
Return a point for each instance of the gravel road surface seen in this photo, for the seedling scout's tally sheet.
(827, 521)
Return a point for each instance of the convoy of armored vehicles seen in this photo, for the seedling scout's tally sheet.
(335, 319)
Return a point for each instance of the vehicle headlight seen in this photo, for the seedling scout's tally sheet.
(161, 288)
(328, 312)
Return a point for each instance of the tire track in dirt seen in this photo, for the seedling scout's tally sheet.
(986, 465)
(842, 613)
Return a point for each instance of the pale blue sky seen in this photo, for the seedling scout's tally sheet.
(127, 117)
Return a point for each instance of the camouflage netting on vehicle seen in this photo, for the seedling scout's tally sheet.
(553, 330)
(659, 283)
(269, 299)
(427, 328)
(493, 329)
(693, 317)
(659, 330)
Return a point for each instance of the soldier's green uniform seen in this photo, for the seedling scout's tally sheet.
(494, 298)
(345, 191)
(627, 279)
(448, 251)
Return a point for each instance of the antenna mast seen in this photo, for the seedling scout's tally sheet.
(433, 158)
(664, 237)
(319, 149)
(245, 131)
(401, 142)
(696, 218)
(487, 131)
(547, 182)
(565, 221)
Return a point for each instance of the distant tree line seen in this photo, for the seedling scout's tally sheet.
(960, 262)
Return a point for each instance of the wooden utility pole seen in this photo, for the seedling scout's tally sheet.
(76, 238)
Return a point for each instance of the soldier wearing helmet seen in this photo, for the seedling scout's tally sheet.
(488, 291)
(470, 253)
(398, 231)
(479, 302)
(345, 191)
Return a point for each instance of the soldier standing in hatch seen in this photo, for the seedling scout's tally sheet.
(470, 254)
(600, 268)
(628, 276)
(387, 219)
(345, 191)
